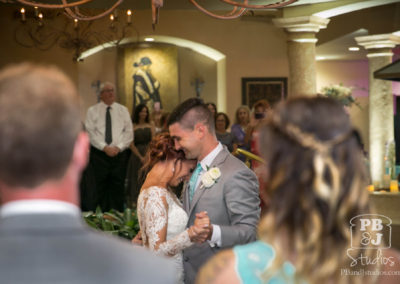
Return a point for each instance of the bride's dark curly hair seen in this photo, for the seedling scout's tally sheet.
(161, 148)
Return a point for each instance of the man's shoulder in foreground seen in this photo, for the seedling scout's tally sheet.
(76, 254)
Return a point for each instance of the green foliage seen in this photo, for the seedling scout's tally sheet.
(340, 93)
(125, 225)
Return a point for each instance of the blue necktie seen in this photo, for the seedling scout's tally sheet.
(193, 181)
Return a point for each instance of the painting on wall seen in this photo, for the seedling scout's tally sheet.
(148, 75)
(271, 89)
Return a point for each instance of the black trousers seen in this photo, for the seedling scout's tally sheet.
(109, 176)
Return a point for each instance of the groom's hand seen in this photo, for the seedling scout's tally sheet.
(202, 227)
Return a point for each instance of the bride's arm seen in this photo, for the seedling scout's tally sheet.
(156, 224)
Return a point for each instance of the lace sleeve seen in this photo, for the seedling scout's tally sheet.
(156, 220)
(176, 244)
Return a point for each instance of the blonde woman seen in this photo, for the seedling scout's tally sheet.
(315, 189)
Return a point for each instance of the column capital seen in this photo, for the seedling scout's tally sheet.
(382, 41)
(302, 24)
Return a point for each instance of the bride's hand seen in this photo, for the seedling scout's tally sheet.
(137, 240)
(202, 228)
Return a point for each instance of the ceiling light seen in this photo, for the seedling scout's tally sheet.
(70, 8)
(149, 39)
(354, 48)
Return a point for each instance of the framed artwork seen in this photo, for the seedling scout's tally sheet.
(148, 75)
(271, 89)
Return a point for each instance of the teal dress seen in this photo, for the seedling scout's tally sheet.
(253, 259)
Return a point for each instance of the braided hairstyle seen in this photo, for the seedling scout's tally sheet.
(316, 183)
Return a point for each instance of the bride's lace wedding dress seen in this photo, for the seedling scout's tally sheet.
(160, 212)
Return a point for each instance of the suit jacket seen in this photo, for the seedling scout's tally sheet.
(232, 202)
(59, 248)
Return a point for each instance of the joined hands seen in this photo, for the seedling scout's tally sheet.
(202, 229)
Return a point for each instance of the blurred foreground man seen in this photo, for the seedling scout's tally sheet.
(42, 154)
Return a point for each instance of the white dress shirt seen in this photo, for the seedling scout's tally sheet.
(122, 133)
(206, 163)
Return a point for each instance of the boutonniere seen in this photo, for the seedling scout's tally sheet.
(210, 177)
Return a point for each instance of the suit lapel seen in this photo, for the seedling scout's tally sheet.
(185, 197)
(200, 190)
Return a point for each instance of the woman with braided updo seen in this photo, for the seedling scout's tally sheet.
(315, 192)
(162, 219)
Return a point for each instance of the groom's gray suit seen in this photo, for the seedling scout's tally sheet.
(232, 203)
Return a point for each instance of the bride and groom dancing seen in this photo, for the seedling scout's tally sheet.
(220, 199)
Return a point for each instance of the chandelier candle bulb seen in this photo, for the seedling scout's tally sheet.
(23, 17)
(36, 11)
(75, 23)
(129, 16)
(112, 20)
(40, 16)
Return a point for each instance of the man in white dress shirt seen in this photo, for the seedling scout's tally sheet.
(109, 155)
(42, 154)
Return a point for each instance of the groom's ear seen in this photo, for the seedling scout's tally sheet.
(200, 130)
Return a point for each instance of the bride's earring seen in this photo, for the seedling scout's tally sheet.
(173, 169)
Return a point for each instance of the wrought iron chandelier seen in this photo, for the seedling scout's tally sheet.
(43, 29)
(238, 8)
(79, 34)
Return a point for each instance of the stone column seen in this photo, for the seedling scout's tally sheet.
(301, 52)
(381, 125)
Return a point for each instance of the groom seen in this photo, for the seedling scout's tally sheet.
(221, 185)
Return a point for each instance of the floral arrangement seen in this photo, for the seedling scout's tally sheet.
(210, 177)
(340, 93)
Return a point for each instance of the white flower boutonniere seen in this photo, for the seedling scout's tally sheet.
(210, 177)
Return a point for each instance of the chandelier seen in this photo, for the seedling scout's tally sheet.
(78, 32)
(238, 8)
(76, 13)
(43, 29)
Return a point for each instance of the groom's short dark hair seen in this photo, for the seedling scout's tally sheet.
(200, 113)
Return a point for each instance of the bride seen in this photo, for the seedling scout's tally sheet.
(162, 219)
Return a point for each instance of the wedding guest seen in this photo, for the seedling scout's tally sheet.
(143, 132)
(315, 187)
(238, 129)
(110, 131)
(261, 108)
(213, 108)
(156, 117)
(43, 239)
(161, 216)
(225, 137)
(221, 185)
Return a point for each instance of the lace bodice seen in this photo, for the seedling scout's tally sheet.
(163, 222)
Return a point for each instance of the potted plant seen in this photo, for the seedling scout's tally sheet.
(125, 225)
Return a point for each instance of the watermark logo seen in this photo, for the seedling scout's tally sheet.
(367, 233)
(372, 227)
